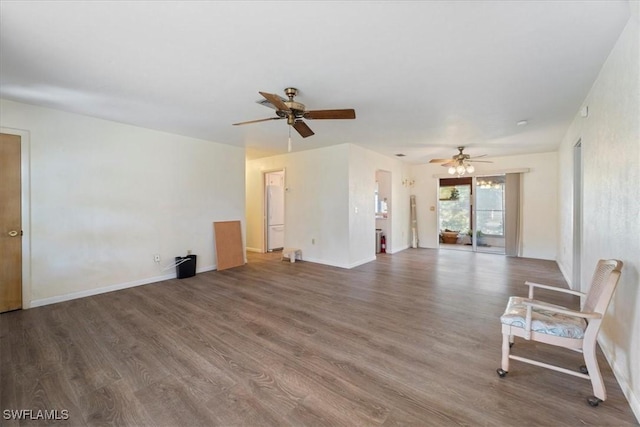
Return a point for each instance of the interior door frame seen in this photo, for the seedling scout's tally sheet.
(265, 205)
(474, 219)
(388, 190)
(25, 204)
(576, 269)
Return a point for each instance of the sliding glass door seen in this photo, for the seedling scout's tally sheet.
(471, 213)
(454, 213)
(490, 214)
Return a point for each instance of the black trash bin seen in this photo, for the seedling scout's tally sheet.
(186, 266)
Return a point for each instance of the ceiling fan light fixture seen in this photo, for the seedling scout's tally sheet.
(460, 164)
(461, 168)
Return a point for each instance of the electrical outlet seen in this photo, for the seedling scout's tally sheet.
(156, 258)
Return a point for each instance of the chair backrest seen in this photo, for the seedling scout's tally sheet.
(603, 283)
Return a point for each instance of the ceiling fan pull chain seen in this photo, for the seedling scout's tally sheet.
(289, 145)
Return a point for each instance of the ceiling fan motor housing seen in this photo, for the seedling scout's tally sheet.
(294, 106)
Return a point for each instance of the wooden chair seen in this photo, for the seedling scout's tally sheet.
(555, 325)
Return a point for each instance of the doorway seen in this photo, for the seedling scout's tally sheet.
(274, 189)
(382, 200)
(455, 213)
(10, 223)
(490, 214)
(471, 213)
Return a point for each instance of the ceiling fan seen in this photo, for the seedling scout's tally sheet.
(460, 163)
(294, 112)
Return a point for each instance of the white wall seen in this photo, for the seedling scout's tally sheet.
(105, 197)
(611, 209)
(539, 200)
(316, 202)
(362, 175)
(329, 200)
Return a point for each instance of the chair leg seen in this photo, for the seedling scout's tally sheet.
(504, 367)
(589, 352)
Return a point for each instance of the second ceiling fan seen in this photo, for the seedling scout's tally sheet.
(460, 163)
(294, 112)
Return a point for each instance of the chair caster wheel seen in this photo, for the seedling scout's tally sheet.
(583, 369)
(594, 401)
(501, 372)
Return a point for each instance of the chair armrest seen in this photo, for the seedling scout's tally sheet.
(562, 310)
(533, 285)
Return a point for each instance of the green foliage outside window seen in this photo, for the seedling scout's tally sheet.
(454, 210)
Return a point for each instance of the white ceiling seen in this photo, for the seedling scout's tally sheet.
(423, 77)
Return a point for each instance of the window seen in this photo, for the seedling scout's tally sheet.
(455, 207)
(490, 205)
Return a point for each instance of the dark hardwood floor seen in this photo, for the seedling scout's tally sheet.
(411, 339)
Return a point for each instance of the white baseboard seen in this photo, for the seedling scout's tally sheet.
(565, 275)
(428, 247)
(110, 288)
(361, 262)
(400, 249)
(634, 401)
(627, 390)
(322, 261)
(333, 264)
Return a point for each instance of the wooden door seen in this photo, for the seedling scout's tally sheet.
(10, 224)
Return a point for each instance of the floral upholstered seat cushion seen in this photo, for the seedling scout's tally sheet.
(543, 321)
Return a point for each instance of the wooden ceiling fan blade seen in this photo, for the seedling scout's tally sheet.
(257, 121)
(347, 113)
(479, 161)
(439, 160)
(275, 100)
(302, 128)
(477, 157)
(266, 103)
